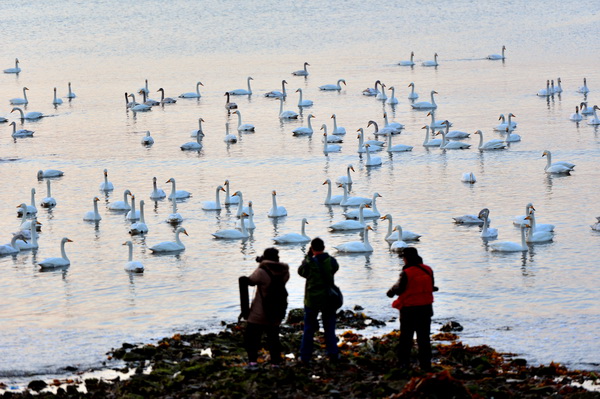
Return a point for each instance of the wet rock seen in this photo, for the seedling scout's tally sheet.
(451, 326)
(71, 368)
(37, 385)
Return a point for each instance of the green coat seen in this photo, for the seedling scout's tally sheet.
(318, 279)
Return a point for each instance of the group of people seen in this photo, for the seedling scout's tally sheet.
(414, 289)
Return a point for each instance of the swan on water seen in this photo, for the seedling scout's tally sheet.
(304, 130)
(229, 138)
(383, 131)
(193, 94)
(133, 214)
(509, 246)
(451, 145)
(454, 134)
(333, 86)
(327, 148)
(229, 199)
(216, 204)
(48, 201)
(494, 144)
(234, 234)
(585, 110)
(131, 265)
(301, 102)
(56, 101)
(583, 89)
(171, 246)
(347, 179)
(511, 137)
(144, 89)
(148, 101)
(242, 92)
(157, 193)
(469, 219)
(249, 221)
(352, 201)
(229, 105)
(412, 95)
(139, 107)
(129, 104)
(286, 114)
(576, 117)
(392, 235)
(333, 138)
(165, 100)
(243, 127)
(436, 123)
(177, 194)
(12, 248)
(410, 62)
(329, 199)
(547, 92)
(70, 93)
(351, 224)
(121, 205)
(21, 132)
(49, 173)
(430, 142)
(468, 177)
(371, 91)
(357, 246)
(30, 209)
(535, 236)
(397, 127)
(431, 63)
(337, 130)
(277, 93)
(486, 231)
(140, 226)
(397, 147)
(106, 185)
(192, 145)
(560, 167)
(497, 56)
(594, 120)
(504, 124)
(16, 69)
(63, 261)
(558, 89)
(93, 216)
(21, 101)
(520, 220)
(147, 139)
(392, 100)
(371, 160)
(198, 131)
(174, 217)
(596, 226)
(399, 244)
(24, 243)
(241, 208)
(376, 145)
(33, 115)
(276, 211)
(381, 95)
(426, 104)
(294, 238)
(370, 213)
(302, 72)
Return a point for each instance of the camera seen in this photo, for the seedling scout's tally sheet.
(259, 259)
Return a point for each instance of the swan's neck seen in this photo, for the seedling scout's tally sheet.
(485, 225)
(443, 138)
(281, 106)
(310, 125)
(173, 188)
(199, 138)
(62, 250)
(390, 228)
(33, 197)
(412, 55)
(503, 119)
(283, 88)
(132, 207)
(226, 129)
(385, 114)
(13, 242)
(239, 119)
(376, 126)
(154, 186)
(533, 225)
(523, 243)
(48, 188)
(249, 89)
(509, 121)
(412, 90)
(198, 90)
(374, 203)
(142, 220)
(125, 198)
(54, 95)
(34, 233)
(21, 112)
(162, 95)
(174, 205)
(389, 141)
(334, 124)
(96, 213)
(360, 143)
(426, 135)
(480, 140)
(303, 229)
(199, 125)
(130, 251)
(368, 156)
(399, 230)
(361, 217)
(393, 93)
(432, 99)
(105, 181)
(300, 100)
(549, 160)
(328, 198)
(344, 186)
(240, 206)
(366, 238)
(349, 176)
(177, 240)
(274, 202)
(217, 198)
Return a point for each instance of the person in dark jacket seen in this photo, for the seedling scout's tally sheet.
(318, 268)
(415, 298)
(269, 268)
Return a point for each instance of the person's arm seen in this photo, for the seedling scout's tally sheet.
(334, 265)
(399, 287)
(303, 269)
(257, 277)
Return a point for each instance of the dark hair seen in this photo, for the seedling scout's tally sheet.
(317, 244)
(271, 254)
(411, 255)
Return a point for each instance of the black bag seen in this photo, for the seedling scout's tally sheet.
(275, 300)
(336, 299)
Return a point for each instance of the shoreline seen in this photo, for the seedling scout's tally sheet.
(215, 364)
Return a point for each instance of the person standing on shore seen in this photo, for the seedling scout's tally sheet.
(268, 306)
(415, 289)
(318, 268)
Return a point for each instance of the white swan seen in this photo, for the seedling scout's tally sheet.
(140, 226)
(371, 91)
(509, 246)
(193, 94)
(392, 235)
(371, 160)
(451, 145)
(352, 201)
(216, 204)
(585, 110)
(165, 100)
(16, 69)
(504, 124)
(174, 217)
(396, 126)
(276, 211)
(131, 265)
(286, 114)
(277, 93)
(383, 131)
(106, 185)
(397, 147)
(121, 205)
(469, 219)
(327, 148)
(93, 216)
(547, 92)
(576, 117)
(21, 132)
(351, 224)
(357, 246)
(431, 63)
(468, 177)
(426, 104)
(494, 144)
(511, 137)
(147, 139)
(133, 214)
(596, 226)
(412, 95)
(243, 127)
(399, 244)
(347, 179)
(138, 107)
(410, 62)
(157, 193)
(558, 89)
(560, 167)
(22, 101)
(48, 201)
(70, 94)
(228, 198)
(26, 244)
(392, 100)
(486, 231)
(294, 238)
(229, 105)
(303, 103)
(242, 92)
(229, 138)
(370, 213)
(177, 194)
(63, 261)
(497, 56)
(170, 246)
(520, 220)
(129, 104)
(334, 138)
(594, 120)
(193, 145)
(535, 227)
(534, 236)
(454, 134)
(30, 209)
(381, 95)
(33, 115)
(304, 130)
(302, 72)
(376, 145)
(234, 234)
(333, 86)
(148, 101)
(430, 142)
(329, 199)
(337, 130)
(583, 89)
(241, 208)
(145, 88)
(198, 131)
(249, 221)
(49, 173)
(436, 124)
(12, 248)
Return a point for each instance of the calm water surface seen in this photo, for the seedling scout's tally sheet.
(542, 304)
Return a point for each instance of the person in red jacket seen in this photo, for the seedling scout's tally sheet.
(415, 289)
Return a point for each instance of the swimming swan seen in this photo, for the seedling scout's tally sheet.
(16, 69)
(392, 235)
(277, 93)
(234, 234)
(242, 92)
(243, 127)
(397, 147)
(337, 130)
(494, 144)
(165, 100)
(286, 114)
(216, 204)
(22, 101)
(487, 232)
(157, 193)
(431, 63)
(302, 72)
(336, 86)
(294, 238)
(93, 216)
(21, 132)
(410, 62)
(347, 179)
(370, 213)
(301, 102)
(140, 226)
(131, 265)
(556, 167)
(276, 211)
(371, 160)
(192, 94)
(33, 115)
(357, 246)
(48, 201)
(177, 194)
(51, 263)
(193, 145)
(509, 246)
(304, 130)
(497, 56)
(171, 246)
(121, 205)
(106, 185)
(426, 104)
(351, 224)
(430, 142)
(412, 95)
(228, 198)
(174, 217)
(329, 199)
(399, 244)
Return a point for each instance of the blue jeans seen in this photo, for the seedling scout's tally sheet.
(311, 325)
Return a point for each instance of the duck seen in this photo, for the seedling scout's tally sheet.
(229, 138)
(241, 208)
(392, 99)
(469, 219)
(165, 100)
(132, 266)
(304, 130)
(576, 117)
(337, 130)
(234, 234)
(23, 243)
(331, 87)
(177, 194)
(147, 139)
(399, 244)
(174, 217)
(486, 231)
(381, 95)
(430, 142)
(351, 224)
(139, 107)
(594, 120)
(547, 92)
(20, 101)
(276, 211)
(392, 125)
(157, 193)
(133, 214)
(327, 148)
(426, 104)
(93, 216)
(376, 145)
(560, 167)
(70, 93)
(352, 201)
(171, 246)
(216, 204)
(106, 185)
(229, 199)
(410, 62)
(140, 226)
(346, 179)
(370, 213)
(49, 173)
(534, 236)
(48, 201)
(242, 92)
(431, 63)
(121, 205)
(371, 160)
(21, 132)
(583, 89)
(294, 238)
(193, 145)
(585, 110)
(286, 114)
(16, 69)
(506, 124)
(243, 127)
(509, 246)
(229, 105)
(397, 147)
(277, 93)
(198, 131)
(329, 199)
(468, 177)
(192, 94)
(596, 226)
(357, 246)
(371, 91)
(33, 115)
(452, 145)
(412, 95)
(30, 209)
(494, 144)
(497, 56)
(383, 131)
(301, 102)
(63, 261)
(511, 137)
(12, 248)
(302, 72)
(392, 235)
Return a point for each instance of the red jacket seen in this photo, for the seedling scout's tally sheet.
(415, 287)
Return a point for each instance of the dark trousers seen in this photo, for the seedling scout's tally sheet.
(311, 325)
(252, 341)
(415, 319)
